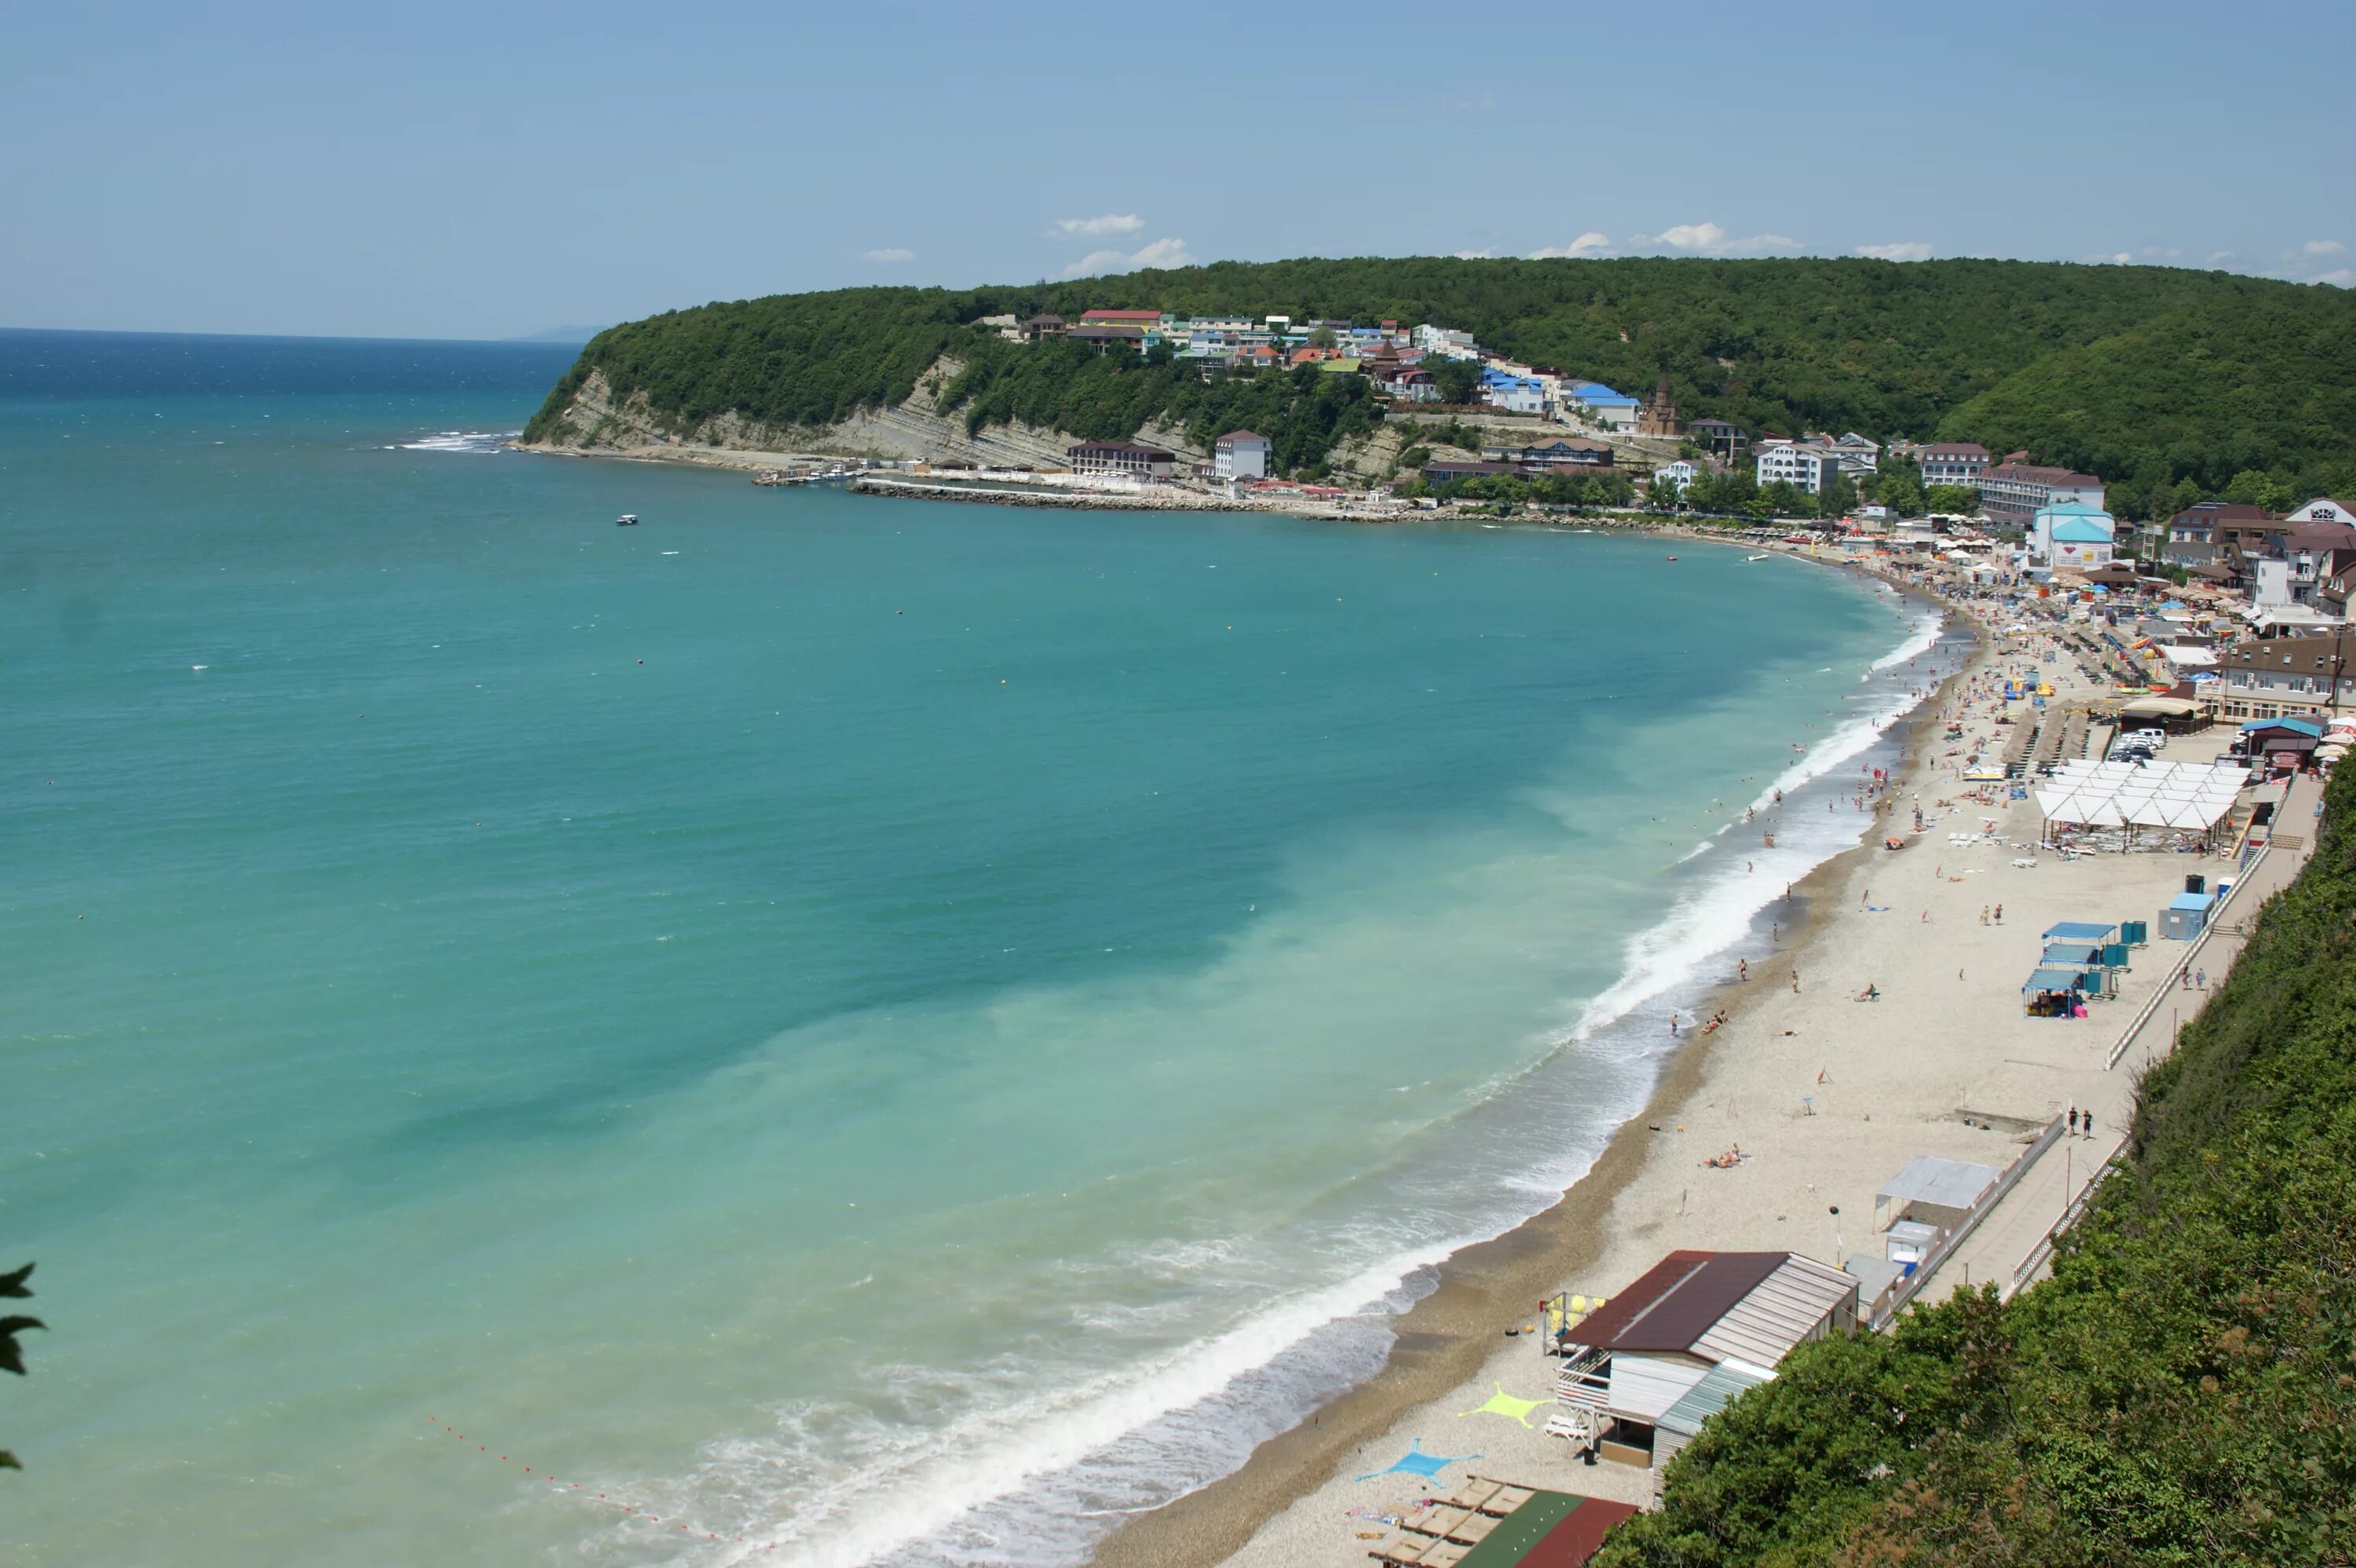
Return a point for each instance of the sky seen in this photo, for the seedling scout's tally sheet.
(492, 171)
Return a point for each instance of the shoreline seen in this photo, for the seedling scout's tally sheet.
(1444, 1338)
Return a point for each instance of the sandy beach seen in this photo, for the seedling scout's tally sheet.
(1826, 1096)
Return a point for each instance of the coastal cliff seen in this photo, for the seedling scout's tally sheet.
(594, 421)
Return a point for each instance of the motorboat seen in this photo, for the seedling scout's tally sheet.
(627, 520)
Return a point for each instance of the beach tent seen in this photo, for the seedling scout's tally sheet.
(2080, 931)
(1939, 1192)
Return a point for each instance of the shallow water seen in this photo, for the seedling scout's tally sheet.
(900, 1030)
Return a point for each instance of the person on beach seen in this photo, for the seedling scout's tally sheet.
(1743, 968)
(1795, 982)
(1999, 915)
(1673, 1026)
(2201, 983)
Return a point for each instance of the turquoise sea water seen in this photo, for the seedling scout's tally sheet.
(899, 1030)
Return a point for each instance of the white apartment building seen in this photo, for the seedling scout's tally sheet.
(1811, 468)
(1954, 463)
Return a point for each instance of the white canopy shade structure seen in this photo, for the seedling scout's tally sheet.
(2132, 794)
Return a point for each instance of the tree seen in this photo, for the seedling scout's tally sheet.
(1839, 498)
(1664, 493)
(1456, 379)
(12, 1354)
(1952, 500)
(1323, 337)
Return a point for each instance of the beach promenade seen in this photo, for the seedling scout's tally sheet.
(2009, 1243)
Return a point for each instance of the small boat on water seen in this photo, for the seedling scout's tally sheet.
(1759, 557)
(627, 520)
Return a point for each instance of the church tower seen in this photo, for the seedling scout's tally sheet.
(1657, 415)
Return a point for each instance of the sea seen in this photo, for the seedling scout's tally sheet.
(816, 1028)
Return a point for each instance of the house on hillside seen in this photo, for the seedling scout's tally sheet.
(1628, 1365)
(1806, 467)
(1953, 463)
(1106, 335)
(1720, 438)
(1601, 404)
(1514, 394)
(1544, 456)
(1857, 455)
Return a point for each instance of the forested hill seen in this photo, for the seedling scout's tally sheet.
(2147, 376)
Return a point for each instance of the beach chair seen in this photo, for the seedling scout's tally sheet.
(1440, 1520)
(1473, 1494)
(1406, 1550)
(1474, 1529)
(1507, 1500)
(1443, 1554)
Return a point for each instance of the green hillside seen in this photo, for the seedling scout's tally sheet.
(2182, 1391)
(2154, 377)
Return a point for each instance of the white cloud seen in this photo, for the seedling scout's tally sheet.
(1155, 254)
(2339, 277)
(1475, 255)
(1898, 250)
(2323, 247)
(2217, 256)
(889, 253)
(1593, 242)
(1098, 228)
(2108, 258)
(1710, 240)
(1162, 254)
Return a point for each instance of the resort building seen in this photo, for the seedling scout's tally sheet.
(1514, 394)
(2012, 492)
(1125, 457)
(1239, 454)
(1545, 455)
(1858, 456)
(1810, 468)
(2071, 534)
(1634, 1369)
(1953, 463)
(2275, 677)
(1601, 404)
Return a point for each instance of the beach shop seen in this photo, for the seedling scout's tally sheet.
(1628, 1365)
(2080, 962)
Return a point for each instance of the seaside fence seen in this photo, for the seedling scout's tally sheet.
(2192, 950)
(1938, 1256)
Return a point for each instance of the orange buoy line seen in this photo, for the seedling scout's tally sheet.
(573, 1487)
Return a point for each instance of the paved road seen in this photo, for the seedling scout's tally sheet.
(2006, 1237)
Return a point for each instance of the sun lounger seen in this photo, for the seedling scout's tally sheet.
(1405, 1550)
(1474, 1528)
(1436, 1521)
(1443, 1554)
(1475, 1493)
(1507, 1500)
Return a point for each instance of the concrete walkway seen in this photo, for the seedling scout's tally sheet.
(2013, 1233)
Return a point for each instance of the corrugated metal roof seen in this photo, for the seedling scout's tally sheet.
(1778, 1312)
(1710, 1396)
(1673, 1305)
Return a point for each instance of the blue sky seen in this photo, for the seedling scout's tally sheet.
(489, 171)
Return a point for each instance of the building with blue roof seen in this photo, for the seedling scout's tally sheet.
(2072, 534)
(1604, 405)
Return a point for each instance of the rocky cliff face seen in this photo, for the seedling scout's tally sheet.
(598, 422)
